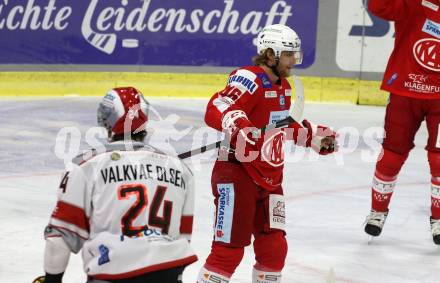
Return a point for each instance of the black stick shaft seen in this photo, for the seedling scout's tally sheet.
(279, 124)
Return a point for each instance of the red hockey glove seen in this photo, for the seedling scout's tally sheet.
(320, 138)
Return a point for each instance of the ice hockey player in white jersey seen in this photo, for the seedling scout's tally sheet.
(129, 208)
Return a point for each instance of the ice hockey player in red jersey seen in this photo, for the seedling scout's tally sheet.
(247, 185)
(129, 208)
(413, 79)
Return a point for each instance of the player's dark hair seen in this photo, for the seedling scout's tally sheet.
(262, 58)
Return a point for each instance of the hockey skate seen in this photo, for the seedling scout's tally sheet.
(375, 221)
(435, 229)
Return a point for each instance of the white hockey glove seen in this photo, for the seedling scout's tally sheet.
(236, 122)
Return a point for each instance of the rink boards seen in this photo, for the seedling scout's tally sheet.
(319, 89)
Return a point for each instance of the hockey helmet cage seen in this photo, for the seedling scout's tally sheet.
(123, 110)
(280, 38)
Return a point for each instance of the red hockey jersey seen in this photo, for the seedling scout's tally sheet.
(250, 89)
(414, 65)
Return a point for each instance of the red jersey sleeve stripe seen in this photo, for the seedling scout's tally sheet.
(71, 214)
(186, 224)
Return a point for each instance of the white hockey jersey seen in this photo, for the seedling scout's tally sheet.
(130, 209)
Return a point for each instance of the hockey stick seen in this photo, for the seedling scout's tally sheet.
(295, 115)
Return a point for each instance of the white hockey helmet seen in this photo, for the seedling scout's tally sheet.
(123, 110)
(280, 38)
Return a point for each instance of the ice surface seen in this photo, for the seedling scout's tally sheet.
(327, 198)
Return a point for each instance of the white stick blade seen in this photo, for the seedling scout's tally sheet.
(298, 109)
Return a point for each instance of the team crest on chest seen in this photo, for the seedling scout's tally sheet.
(427, 53)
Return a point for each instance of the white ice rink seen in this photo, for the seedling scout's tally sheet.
(327, 198)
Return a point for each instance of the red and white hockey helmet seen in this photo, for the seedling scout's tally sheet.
(123, 110)
(280, 38)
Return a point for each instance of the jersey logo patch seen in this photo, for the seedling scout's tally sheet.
(432, 28)
(420, 79)
(243, 80)
(430, 5)
(392, 79)
(288, 92)
(104, 258)
(270, 94)
(282, 101)
(427, 53)
(265, 80)
(225, 212)
(247, 83)
(275, 116)
(277, 211)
